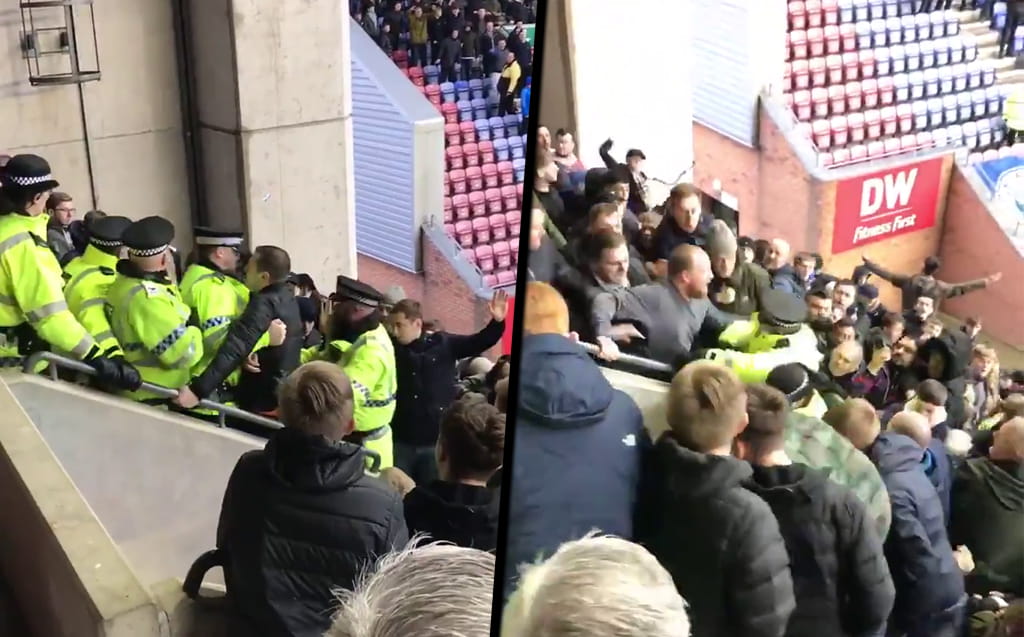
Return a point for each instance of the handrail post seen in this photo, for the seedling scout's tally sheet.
(630, 359)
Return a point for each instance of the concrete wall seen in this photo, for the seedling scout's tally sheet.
(557, 94)
(132, 116)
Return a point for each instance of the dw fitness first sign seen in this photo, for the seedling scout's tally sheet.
(883, 205)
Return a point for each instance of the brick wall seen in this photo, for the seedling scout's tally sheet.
(439, 288)
(973, 245)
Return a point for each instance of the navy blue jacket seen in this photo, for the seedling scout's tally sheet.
(939, 469)
(578, 450)
(917, 548)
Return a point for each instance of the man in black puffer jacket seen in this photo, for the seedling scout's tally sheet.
(720, 542)
(301, 518)
(841, 580)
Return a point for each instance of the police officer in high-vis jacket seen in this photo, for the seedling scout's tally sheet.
(90, 275)
(358, 341)
(34, 314)
(146, 312)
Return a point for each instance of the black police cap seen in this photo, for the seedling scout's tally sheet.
(29, 172)
(782, 309)
(148, 237)
(350, 289)
(206, 236)
(107, 232)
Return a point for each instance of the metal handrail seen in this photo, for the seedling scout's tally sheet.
(222, 410)
(630, 359)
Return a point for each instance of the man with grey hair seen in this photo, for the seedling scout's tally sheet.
(737, 285)
(600, 587)
(437, 590)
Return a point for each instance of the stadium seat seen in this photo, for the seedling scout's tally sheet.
(509, 197)
(476, 89)
(499, 227)
(462, 91)
(483, 129)
(447, 92)
(451, 114)
(798, 44)
(465, 110)
(479, 108)
(511, 123)
(461, 205)
(464, 233)
(855, 126)
(840, 156)
(519, 169)
(497, 127)
(515, 147)
(485, 258)
(837, 99)
(458, 181)
(490, 172)
(431, 74)
(467, 130)
(502, 255)
(449, 214)
(451, 135)
(494, 202)
(506, 278)
(507, 173)
(501, 149)
(453, 157)
(416, 75)
(471, 153)
(513, 248)
(449, 229)
(433, 93)
(840, 130)
(822, 134)
(815, 42)
(514, 220)
(481, 229)
(477, 202)
(474, 178)
(486, 152)
(797, 15)
(490, 281)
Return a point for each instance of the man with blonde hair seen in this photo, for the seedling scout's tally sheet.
(437, 590)
(301, 517)
(720, 542)
(600, 587)
(579, 442)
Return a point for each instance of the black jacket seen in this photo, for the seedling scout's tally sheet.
(462, 514)
(720, 542)
(257, 392)
(301, 518)
(927, 578)
(840, 577)
(427, 379)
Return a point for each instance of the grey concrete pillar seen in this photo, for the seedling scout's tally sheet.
(273, 86)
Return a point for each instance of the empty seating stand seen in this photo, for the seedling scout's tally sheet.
(485, 169)
(872, 78)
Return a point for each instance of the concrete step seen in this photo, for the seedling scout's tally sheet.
(1004, 64)
(1012, 76)
(987, 39)
(968, 15)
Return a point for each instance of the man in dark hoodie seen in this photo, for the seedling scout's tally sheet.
(840, 577)
(301, 518)
(988, 513)
(930, 595)
(579, 442)
(913, 286)
(946, 358)
(720, 542)
(459, 507)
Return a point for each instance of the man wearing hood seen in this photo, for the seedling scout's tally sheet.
(720, 542)
(930, 595)
(946, 358)
(840, 577)
(301, 518)
(579, 442)
(737, 286)
(988, 513)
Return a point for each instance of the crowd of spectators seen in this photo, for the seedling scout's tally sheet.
(307, 528)
(824, 465)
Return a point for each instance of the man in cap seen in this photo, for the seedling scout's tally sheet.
(90, 276)
(774, 336)
(635, 159)
(212, 290)
(34, 315)
(147, 314)
(736, 288)
(357, 340)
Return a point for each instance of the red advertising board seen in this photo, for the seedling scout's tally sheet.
(887, 204)
(506, 338)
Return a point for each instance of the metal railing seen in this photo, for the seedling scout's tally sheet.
(223, 411)
(631, 360)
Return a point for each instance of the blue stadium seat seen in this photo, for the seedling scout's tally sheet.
(483, 129)
(448, 92)
(462, 90)
(501, 150)
(497, 127)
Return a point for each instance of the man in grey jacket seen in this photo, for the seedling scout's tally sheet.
(672, 312)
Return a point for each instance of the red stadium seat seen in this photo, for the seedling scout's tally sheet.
(451, 116)
(506, 277)
(461, 205)
(449, 229)
(508, 196)
(468, 131)
(814, 17)
(474, 179)
(486, 152)
(797, 15)
(513, 247)
(507, 173)
(481, 230)
(490, 172)
(499, 227)
(493, 197)
(453, 155)
(490, 280)
(477, 203)
(513, 218)
(458, 180)
(451, 135)
(471, 154)
(485, 258)
(448, 208)
(464, 233)
(502, 255)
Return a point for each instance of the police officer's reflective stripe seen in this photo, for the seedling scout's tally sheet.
(149, 360)
(38, 314)
(213, 322)
(81, 275)
(8, 300)
(367, 400)
(169, 340)
(104, 335)
(83, 347)
(211, 275)
(14, 240)
(91, 303)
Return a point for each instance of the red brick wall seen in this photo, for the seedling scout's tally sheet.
(439, 288)
(973, 245)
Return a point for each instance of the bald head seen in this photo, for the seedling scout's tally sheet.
(1008, 441)
(913, 425)
(856, 421)
(778, 253)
